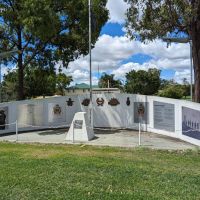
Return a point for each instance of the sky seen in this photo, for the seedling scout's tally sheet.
(115, 53)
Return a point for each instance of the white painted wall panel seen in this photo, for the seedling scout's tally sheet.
(39, 113)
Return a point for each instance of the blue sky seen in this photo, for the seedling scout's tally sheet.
(115, 53)
(115, 29)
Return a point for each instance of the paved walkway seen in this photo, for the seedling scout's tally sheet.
(117, 138)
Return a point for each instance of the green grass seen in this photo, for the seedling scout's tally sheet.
(188, 98)
(84, 172)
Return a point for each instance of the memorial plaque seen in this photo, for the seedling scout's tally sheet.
(3, 117)
(164, 116)
(78, 124)
(56, 112)
(30, 115)
(191, 123)
(141, 112)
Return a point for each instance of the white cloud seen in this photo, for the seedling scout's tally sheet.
(125, 68)
(5, 69)
(158, 49)
(109, 52)
(117, 9)
(180, 75)
(80, 76)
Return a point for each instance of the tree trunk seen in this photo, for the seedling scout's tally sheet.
(20, 78)
(195, 34)
(20, 67)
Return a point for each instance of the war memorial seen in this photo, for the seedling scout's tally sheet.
(168, 117)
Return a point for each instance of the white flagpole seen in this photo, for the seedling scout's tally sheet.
(90, 64)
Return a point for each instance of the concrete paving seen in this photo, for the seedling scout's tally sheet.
(104, 137)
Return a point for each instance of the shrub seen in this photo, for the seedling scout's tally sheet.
(172, 91)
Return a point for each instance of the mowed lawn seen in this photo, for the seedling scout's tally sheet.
(83, 172)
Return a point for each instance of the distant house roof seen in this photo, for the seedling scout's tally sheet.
(83, 86)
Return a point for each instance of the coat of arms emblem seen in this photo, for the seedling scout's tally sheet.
(57, 110)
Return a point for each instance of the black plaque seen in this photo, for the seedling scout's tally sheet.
(164, 116)
(137, 112)
(78, 124)
(3, 117)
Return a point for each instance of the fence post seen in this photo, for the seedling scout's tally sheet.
(16, 131)
(139, 131)
(73, 133)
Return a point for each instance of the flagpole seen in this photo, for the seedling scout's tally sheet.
(90, 64)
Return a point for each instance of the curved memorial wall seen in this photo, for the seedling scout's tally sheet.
(175, 118)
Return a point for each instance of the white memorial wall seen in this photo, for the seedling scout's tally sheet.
(175, 118)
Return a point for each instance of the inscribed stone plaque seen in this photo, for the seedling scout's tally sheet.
(191, 123)
(78, 124)
(164, 116)
(141, 110)
(30, 115)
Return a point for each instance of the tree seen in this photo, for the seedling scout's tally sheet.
(186, 88)
(47, 31)
(143, 82)
(107, 80)
(164, 83)
(172, 91)
(151, 19)
(9, 86)
(62, 81)
(37, 82)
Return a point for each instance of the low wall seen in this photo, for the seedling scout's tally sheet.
(175, 118)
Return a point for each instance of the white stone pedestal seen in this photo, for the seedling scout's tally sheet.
(80, 129)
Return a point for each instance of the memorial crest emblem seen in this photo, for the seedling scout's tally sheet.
(100, 101)
(113, 102)
(57, 110)
(128, 102)
(141, 110)
(70, 102)
(86, 102)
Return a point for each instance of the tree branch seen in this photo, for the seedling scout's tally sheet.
(28, 42)
(14, 58)
(37, 50)
(40, 48)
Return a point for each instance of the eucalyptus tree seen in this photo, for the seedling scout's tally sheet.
(108, 80)
(47, 31)
(152, 19)
(143, 82)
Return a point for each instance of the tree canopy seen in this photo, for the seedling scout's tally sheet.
(172, 91)
(152, 19)
(143, 82)
(107, 80)
(47, 31)
(38, 81)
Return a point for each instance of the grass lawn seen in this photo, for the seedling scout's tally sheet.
(84, 172)
(188, 98)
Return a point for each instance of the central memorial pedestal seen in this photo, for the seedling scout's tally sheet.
(80, 129)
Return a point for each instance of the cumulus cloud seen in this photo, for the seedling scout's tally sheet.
(125, 68)
(117, 9)
(180, 75)
(109, 52)
(5, 69)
